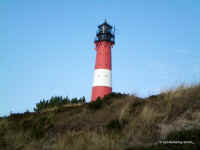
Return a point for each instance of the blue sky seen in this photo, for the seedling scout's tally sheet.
(47, 49)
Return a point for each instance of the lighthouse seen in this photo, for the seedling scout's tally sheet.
(104, 41)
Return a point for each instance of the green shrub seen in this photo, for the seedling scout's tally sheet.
(96, 104)
(114, 95)
(107, 99)
(57, 101)
(74, 101)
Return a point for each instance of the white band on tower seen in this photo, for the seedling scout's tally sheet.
(102, 77)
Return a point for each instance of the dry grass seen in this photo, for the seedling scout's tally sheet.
(131, 120)
(86, 141)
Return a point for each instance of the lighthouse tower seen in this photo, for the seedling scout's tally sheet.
(104, 41)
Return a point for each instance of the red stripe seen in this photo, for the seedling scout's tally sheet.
(103, 57)
(100, 91)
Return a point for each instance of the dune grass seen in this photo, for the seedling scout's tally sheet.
(118, 122)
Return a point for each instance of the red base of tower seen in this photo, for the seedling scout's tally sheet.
(100, 91)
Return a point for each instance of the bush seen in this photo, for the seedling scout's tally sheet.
(96, 104)
(114, 95)
(107, 99)
(57, 101)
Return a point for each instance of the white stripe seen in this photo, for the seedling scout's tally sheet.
(102, 77)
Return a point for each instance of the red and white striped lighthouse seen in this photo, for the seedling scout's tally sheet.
(102, 83)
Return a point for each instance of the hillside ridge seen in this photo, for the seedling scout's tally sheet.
(116, 122)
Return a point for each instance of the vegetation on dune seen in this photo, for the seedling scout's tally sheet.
(115, 122)
(56, 101)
